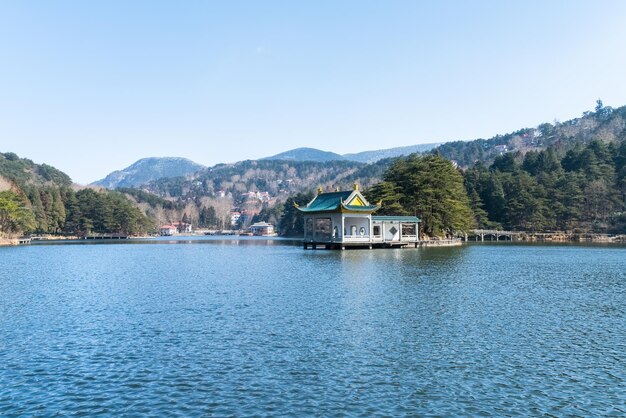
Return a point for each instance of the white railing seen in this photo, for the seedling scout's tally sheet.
(356, 238)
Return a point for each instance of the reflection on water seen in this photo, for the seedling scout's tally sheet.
(262, 327)
(214, 240)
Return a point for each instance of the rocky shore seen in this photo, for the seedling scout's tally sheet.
(4, 242)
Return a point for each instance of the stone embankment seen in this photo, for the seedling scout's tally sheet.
(571, 237)
(455, 242)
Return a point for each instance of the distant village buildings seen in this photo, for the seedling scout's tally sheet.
(260, 196)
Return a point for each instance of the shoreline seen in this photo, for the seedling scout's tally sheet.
(8, 242)
(519, 238)
(553, 237)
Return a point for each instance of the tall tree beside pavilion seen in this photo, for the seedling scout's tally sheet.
(429, 187)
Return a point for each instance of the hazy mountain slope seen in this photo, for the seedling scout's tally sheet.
(312, 154)
(306, 154)
(375, 155)
(147, 170)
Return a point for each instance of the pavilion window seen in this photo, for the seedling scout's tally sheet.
(323, 228)
(408, 229)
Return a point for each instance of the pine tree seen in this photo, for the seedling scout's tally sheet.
(431, 188)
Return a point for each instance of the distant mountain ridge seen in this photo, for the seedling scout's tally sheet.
(147, 170)
(606, 124)
(377, 155)
(313, 154)
(306, 154)
(151, 169)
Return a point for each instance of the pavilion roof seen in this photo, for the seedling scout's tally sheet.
(339, 202)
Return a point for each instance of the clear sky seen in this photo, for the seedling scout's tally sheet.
(92, 86)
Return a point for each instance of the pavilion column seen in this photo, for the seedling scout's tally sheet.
(343, 227)
(305, 228)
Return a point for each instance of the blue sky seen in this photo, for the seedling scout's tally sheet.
(90, 87)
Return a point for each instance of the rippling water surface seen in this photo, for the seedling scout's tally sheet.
(259, 327)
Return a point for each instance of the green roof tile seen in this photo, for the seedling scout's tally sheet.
(326, 202)
(335, 201)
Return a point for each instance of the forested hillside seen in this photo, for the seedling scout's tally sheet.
(585, 190)
(604, 124)
(38, 198)
(256, 189)
(568, 177)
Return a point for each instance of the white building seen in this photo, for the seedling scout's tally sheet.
(234, 218)
(262, 229)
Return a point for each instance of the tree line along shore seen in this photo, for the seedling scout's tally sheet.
(560, 182)
(562, 197)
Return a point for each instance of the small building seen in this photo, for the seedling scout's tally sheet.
(234, 217)
(501, 149)
(345, 219)
(167, 230)
(262, 229)
(183, 227)
(260, 196)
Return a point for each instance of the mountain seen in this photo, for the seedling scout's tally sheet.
(149, 169)
(375, 155)
(306, 154)
(368, 157)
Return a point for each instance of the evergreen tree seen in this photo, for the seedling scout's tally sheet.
(291, 222)
(390, 195)
(15, 216)
(431, 188)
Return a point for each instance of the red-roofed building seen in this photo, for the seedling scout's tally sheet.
(167, 230)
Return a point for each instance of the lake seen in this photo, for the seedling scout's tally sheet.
(226, 327)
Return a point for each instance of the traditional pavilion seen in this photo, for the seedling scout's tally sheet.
(345, 219)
